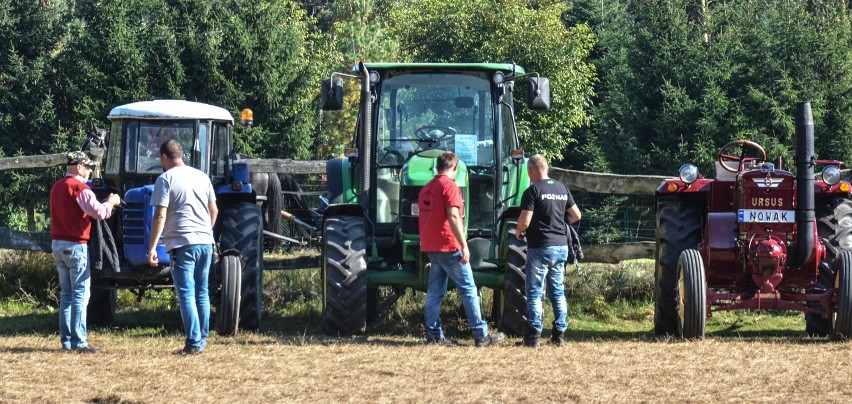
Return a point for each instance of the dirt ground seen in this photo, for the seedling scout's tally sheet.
(261, 368)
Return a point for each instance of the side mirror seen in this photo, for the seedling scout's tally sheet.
(538, 93)
(331, 94)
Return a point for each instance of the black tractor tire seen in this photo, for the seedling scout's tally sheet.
(344, 273)
(241, 229)
(834, 225)
(680, 224)
(513, 316)
(843, 284)
(228, 311)
(101, 309)
(692, 295)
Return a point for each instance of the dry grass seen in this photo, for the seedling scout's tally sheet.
(263, 368)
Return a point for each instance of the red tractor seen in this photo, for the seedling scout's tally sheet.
(757, 237)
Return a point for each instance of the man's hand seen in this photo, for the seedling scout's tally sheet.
(153, 259)
(113, 200)
(465, 255)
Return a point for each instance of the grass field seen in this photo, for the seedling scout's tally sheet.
(611, 354)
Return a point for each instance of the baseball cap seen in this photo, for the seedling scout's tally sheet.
(79, 157)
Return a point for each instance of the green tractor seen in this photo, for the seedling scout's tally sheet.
(409, 114)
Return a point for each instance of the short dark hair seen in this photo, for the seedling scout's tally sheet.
(446, 161)
(172, 150)
(538, 162)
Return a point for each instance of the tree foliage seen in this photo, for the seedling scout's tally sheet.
(678, 81)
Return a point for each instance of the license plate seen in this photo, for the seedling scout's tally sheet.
(766, 216)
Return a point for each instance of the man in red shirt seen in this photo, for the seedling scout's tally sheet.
(442, 238)
(72, 205)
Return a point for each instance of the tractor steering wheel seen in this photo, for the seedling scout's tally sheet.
(422, 132)
(723, 156)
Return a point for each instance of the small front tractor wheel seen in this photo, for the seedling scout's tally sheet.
(679, 228)
(344, 274)
(513, 319)
(692, 295)
(843, 285)
(241, 229)
(228, 312)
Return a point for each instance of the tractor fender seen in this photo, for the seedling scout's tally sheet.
(510, 213)
(343, 209)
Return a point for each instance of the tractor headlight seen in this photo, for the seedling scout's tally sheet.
(688, 173)
(415, 209)
(831, 175)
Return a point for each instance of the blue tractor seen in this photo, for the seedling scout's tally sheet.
(130, 168)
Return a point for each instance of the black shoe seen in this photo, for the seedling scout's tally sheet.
(441, 342)
(190, 350)
(86, 349)
(531, 341)
(557, 338)
(489, 339)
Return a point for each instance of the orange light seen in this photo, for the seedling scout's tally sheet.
(845, 187)
(350, 152)
(672, 187)
(247, 117)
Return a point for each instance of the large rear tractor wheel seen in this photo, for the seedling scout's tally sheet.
(228, 312)
(513, 319)
(692, 295)
(101, 309)
(241, 229)
(834, 224)
(344, 273)
(679, 228)
(843, 284)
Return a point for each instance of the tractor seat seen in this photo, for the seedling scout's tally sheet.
(724, 175)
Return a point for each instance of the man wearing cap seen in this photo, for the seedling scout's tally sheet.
(72, 205)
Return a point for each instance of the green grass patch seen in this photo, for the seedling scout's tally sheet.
(605, 301)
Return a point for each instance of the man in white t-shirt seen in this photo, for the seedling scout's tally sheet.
(185, 196)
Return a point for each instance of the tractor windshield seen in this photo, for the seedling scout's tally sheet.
(145, 137)
(448, 111)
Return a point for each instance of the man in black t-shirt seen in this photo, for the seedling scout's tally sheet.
(546, 209)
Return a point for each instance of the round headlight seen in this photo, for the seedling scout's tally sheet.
(374, 77)
(688, 173)
(831, 175)
(498, 78)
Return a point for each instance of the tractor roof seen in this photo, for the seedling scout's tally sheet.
(170, 109)
(504, 67)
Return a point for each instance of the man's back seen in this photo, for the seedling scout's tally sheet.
(185, 192)
(548, 199)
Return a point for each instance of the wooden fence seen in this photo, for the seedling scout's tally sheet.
(576, 180)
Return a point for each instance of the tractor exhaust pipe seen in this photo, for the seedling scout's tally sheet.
(805, 161)
(365, 153)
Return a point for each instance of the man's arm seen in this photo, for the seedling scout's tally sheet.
(457, 226)
(97, 210)
(157, 224)
(214, 212)
(573, 214)
(524, 220)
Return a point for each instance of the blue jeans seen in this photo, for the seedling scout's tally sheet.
(445, 266)
(72, 263)
(190, 271)
(546, 263)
